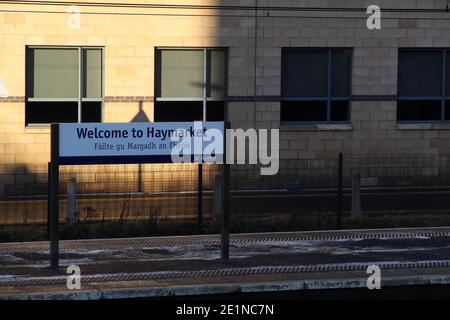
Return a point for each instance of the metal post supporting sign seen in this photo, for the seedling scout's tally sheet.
(200, 199)
(49, 183)
(54, 197)
(82, 143)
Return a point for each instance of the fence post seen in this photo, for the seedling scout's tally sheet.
(139, 178)
(200, 198)
(72, 201)
(339, 211)
(225, 217)
(49, 201)
(356, 196)
(54, 197)
(218, 196)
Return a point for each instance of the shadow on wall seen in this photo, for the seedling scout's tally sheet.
(141, 116)
(104, 192)
(23, 179)
(375, 171)
(31, 180)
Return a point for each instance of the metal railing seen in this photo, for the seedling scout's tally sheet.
(168, 194)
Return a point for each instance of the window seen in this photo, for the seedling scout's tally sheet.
(423, 85)
(64, 84)
(315, 85)
(189, 81)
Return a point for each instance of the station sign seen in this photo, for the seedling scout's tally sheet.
(160, 142)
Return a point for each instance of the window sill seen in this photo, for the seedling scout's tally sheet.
(36, 129)
(423, 126)
(317, 127)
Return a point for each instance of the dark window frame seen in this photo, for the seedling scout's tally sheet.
(205, 99)
(80, 99)
(329, 98)
(443, 98)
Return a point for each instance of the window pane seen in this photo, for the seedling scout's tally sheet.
(217, 75)
(91, 112)
(215, 111)
(178, 111)
(92, 70)
(52, 73)
(180, 73)
(340, 111)
(341, 63)
(420, 73)
(447, 110)
(418, 110)
(51, 112)
(305, 73)
(304, 111)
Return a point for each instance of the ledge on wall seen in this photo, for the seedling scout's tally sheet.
(45, 128)
(423, 126)
(317, 127)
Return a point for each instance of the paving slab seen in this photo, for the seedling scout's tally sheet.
(171, 266)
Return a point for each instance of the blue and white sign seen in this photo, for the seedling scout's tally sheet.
(161, 142)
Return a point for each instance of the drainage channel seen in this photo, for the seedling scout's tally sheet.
(266, 270)
(130, 244)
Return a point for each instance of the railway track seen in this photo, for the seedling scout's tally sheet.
(357, 266)
(235, 239)
(229, 272)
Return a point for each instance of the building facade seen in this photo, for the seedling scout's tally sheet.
(310, 68)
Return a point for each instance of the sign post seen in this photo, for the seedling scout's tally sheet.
(54, 197)
(131, 143)
(200, 199)
(49, 201)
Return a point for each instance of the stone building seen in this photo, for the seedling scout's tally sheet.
(311, 68)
